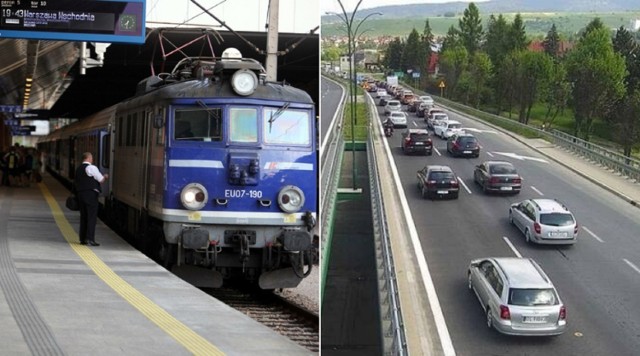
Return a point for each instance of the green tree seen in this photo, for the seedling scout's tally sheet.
(331, 54)
(497, 39)
(480, 70)
(625, 45)
(427, 42)
(451, 39)
(393, 55)
(413, 55)
(453, 63)
(533, 75)
(470, 26)
(596, 73)
(504, 81)
(556, 94)
(518, 34)
(551, 42)
(595, 24)
(627, 123)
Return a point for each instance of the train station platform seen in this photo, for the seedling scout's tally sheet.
(63, 298)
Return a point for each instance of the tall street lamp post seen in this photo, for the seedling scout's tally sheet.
(351, 37)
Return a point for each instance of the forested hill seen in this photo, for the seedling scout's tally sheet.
(501, 6)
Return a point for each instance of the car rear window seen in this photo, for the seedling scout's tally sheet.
(467, 139)
(556, 219)
(532, 297)
(440, 175)
(502, 169)
(455, 126)
(419, 137)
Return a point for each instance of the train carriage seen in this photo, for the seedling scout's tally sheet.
(213, 167)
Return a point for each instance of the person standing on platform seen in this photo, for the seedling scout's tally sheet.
(87, 188)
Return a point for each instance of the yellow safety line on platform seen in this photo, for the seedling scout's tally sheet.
(172, 326)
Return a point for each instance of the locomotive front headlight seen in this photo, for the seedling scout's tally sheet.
(194, 196)
(290, 199)
(244, 82)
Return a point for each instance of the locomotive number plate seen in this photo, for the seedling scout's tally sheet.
(195, 216)
(290, 218)
(241, 193)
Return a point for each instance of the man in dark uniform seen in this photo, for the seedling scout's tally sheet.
(87, 186)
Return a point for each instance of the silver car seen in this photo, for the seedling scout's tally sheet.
(544, 221)
(392, 105)
(517, 296)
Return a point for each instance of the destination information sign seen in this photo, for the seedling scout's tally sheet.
(74, 20)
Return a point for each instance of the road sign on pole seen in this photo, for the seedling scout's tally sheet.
(441, 85)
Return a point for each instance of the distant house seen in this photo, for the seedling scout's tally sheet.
(635, 24)
(367, 58)
(538, 46)
(434, 65)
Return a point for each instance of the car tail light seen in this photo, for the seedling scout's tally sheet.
(456, 145)
(431, 182)
(563, 313)
(575, 229)
(408, 140)
(536, 227)
(504, 312)
(517, 180)
(454, 183)
(494, 180)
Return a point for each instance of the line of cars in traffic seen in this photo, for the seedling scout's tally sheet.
(517, 296)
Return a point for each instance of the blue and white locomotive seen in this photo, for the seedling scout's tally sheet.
(211, 166)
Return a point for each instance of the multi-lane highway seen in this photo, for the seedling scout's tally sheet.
(598, 278)
(330, 98)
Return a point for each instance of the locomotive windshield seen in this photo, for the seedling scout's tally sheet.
(243, 125)
(291, 127)
(198, 124)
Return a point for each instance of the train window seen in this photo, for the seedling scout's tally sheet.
(120, 132)
(290, 127)
(106, 150)
(198, 124)
(160, 131)
(243, 125)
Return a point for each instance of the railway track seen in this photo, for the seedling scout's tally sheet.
(295, 323)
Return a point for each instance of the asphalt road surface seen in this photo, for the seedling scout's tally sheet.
(598, 278)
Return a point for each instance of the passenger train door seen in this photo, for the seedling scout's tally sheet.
(105, 159)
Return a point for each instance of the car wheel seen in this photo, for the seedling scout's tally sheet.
(511, 217)
(424, 193)
(489, 319)
(484, 188)
(455, 196)
(527, 236)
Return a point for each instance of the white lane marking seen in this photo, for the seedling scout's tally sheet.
(414, 124)
(334, 122)
(537, 191)
(427, 282)
(473, 129)
(464, 185)
(490, 154)
(520, 157)
(592, 234)
(631, 265)
(438, 152)
(513, 248)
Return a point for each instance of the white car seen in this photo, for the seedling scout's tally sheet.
(445, 129)
(381, 92)
(437, 118)
(426, 99)
(398, 118)
(392, 105)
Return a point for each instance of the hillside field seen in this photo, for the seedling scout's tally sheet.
(537, 24)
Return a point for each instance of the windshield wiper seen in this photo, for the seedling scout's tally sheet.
(277, 114)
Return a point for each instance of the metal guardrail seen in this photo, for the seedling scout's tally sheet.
(618, 163)
(626, 166)
(331, 151)
(393, 334)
